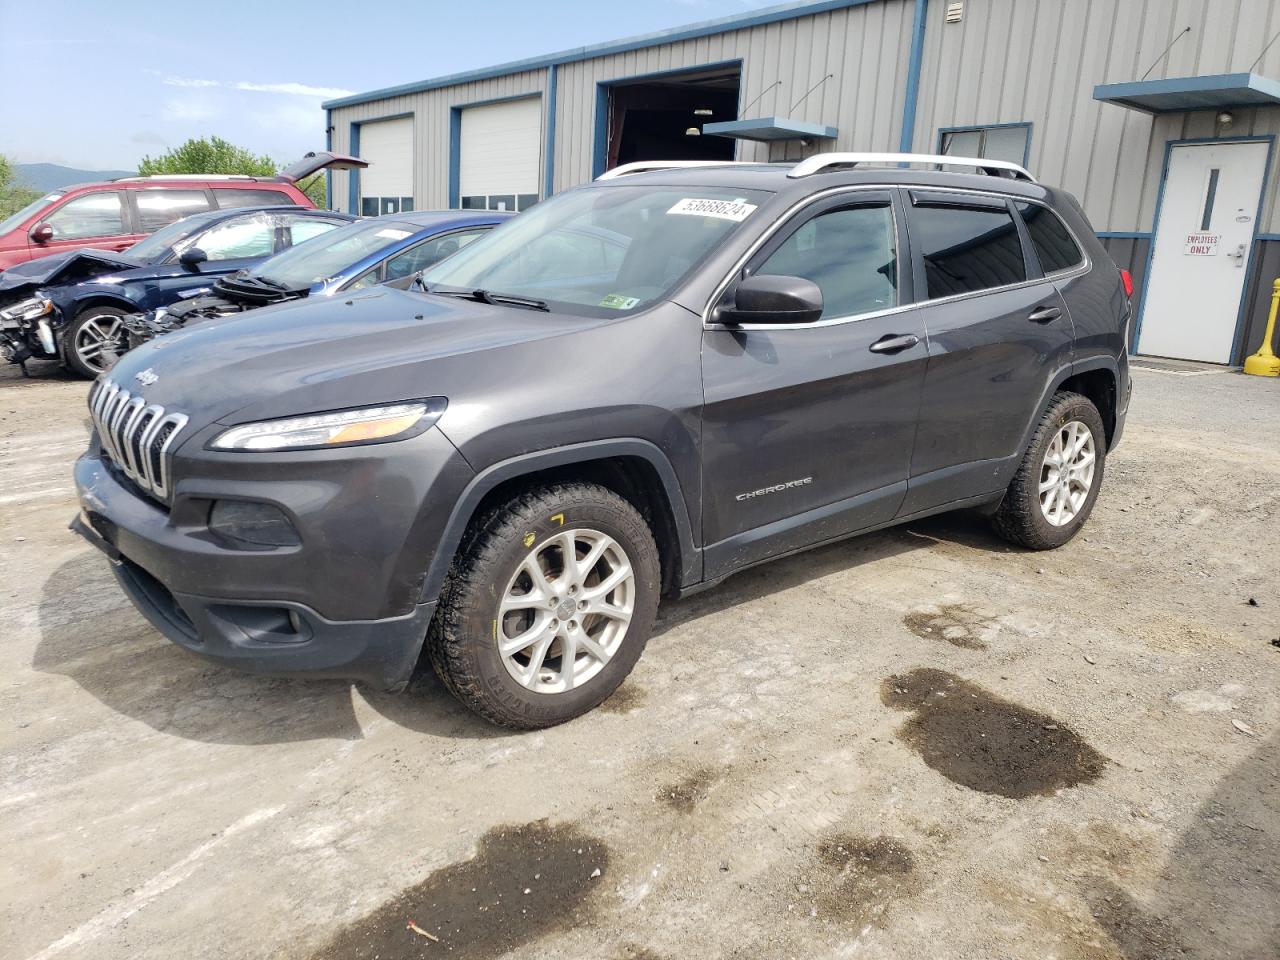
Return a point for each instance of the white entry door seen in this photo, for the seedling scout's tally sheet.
(1202, 242)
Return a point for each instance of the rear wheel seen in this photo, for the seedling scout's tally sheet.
(1054, 490)
(94, 340)
(548, 606)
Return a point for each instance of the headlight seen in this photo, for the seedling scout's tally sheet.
(27, 309)
(397, 421)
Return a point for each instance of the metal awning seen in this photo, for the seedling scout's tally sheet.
(769, 128)
(1177, 94)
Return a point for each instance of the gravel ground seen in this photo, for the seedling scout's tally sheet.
(920, 743)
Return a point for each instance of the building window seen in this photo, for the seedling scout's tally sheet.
(1004, 141)
(500, 201)
(379, 206)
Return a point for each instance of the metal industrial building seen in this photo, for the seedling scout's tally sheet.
(1160, 115)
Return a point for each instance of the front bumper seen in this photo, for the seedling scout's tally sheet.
(347, 602)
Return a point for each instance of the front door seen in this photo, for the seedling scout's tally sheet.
(1204, 232)
(808, 428)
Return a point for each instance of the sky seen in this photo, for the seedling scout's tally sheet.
(97, 85)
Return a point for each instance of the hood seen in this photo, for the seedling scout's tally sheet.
(71, 266)
(306, 356)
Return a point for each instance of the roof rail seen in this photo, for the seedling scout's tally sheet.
(992, 168)
(193, 176)
(644, 166)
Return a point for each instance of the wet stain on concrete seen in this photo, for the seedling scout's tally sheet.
(864, 876)
(959, 625)
(626, 698)
(524, 882)
(986, 743)
(684, 795)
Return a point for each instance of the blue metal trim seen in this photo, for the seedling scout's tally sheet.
(328, 145)
(914, 66)
(455, 138)
(705, 28)
(1122, 235)
(1266, 236)
(549, 163)
(769, 128)
(974, 127)
(600, 139)
(353, 176)
(1155, 226)
(1177, 94)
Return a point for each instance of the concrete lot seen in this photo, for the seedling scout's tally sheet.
(780, 777)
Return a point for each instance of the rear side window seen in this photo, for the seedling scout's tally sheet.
(252, 236)
(159, 208)
(1052, 240)
(849, 254)
(92, 215)
(966, 249)
(228, 199)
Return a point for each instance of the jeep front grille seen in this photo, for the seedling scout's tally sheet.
(136, 436)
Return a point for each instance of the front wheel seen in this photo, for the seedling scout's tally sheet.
(547, 607)
(1057, 483)
(95, 339)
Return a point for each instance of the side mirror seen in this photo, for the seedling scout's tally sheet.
(192, 257)
(41, 233)
(772, 299)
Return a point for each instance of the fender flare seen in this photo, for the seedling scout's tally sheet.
(528, 463)
(1059, 378)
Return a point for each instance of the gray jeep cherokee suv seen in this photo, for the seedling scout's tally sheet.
(635, 389)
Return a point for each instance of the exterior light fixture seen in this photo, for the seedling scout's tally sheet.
(693, 132)
(704, 112)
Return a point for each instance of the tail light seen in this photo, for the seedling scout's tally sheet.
(1127, 279)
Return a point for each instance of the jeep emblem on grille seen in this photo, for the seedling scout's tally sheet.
(147, 377)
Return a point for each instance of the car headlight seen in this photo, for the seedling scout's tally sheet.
(340, 428)
(28, 309)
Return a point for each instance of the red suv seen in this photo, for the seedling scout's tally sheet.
(117, 214)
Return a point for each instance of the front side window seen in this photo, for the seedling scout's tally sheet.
(1001, 142)
(1053, 243)
(159, 208)
(93, 215)
(236, 239)
(849, 253)
(601, 250)
(429, 252)
(967, 248)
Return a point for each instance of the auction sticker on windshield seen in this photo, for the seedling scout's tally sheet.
(617, 301)
(734, 210)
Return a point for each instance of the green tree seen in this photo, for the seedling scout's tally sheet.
(212, 155)
(14, 194)
(215, 155)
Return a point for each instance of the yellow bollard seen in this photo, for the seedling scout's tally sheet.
(1265, 363)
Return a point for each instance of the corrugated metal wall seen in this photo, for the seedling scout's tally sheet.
(431, 129)
(1039, 60)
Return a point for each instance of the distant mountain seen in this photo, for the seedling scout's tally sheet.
(51, 176)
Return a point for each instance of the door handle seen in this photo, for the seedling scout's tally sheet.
(893, 343)
(1238, 256)
(1044, 314)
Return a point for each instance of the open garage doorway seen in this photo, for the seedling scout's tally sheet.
(661, 117)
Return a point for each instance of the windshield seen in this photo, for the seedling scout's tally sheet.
(157, 245)
(30, 209)
(327, 255)
(600, 251)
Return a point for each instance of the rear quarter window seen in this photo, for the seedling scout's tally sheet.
(1053, 243)
(230, 198)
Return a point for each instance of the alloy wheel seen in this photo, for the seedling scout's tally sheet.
(1066, 473)
(566, 611)
(100, 340)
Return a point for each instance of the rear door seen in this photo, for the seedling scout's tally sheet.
(808, 428)
(998, 333)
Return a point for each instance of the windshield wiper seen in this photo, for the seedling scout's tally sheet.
(487, 296)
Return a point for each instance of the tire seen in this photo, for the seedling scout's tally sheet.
(84, 331)
(494, 566)
(1022, 518)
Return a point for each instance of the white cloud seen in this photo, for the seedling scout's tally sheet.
(287, 89)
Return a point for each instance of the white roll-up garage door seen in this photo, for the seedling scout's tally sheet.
(501, 146)
(387, 185)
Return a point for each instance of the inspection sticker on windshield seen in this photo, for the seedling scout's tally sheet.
(734, 210)
(616, 301)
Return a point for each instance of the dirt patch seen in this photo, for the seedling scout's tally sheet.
(686, 794)
(864, 876)
(959, 625)
(986, 743)
(626, 698)
(1139, 933)
(523, 883)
